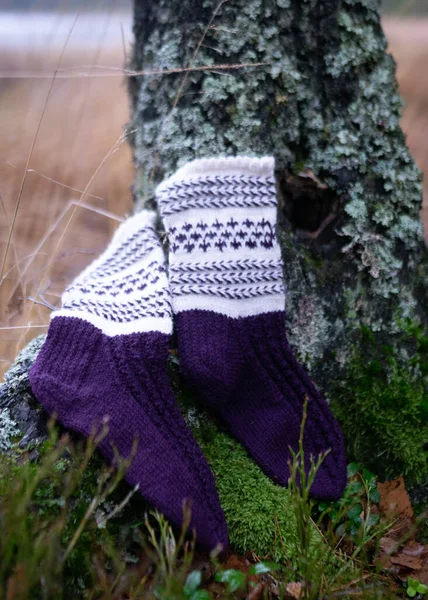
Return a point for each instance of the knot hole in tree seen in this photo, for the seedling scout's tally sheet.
(310, 207)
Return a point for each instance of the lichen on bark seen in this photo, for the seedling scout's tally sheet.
(323, 100)
(19, 411)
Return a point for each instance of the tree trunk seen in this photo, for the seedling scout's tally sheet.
(311, 83)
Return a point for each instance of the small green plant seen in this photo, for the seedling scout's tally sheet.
(352, 515)
(48, 523)
(300, 483)
(415, 587)
(236, 580)
(348, 519)
(172, 559)
(192, 589)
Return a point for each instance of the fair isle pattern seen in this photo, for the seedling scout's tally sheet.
(233, 233)
(127, 254)
(229, 292)
(220, 217)
(126, 289)
(239, 191)
(127, 284)
(226, 272)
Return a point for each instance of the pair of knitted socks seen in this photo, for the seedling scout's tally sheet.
(105, 356)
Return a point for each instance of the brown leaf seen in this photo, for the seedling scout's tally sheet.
(414, 548)
(394, 500)
(388, 545)
(236, 562)
(423, 573)
(257, 592)
(294, 590)
(410, 561)
(406, 561)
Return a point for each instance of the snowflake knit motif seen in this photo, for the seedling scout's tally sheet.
(223, 248)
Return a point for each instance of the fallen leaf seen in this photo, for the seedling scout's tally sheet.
(236, 562)
(257, 592)
(388, 545)
(294, 590)
(394, 500)
(409, 560)
(406, 561)
(414, 548)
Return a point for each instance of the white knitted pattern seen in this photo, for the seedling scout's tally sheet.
(220, 216)
(125, 290)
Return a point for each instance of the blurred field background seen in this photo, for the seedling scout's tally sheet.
(65, 166)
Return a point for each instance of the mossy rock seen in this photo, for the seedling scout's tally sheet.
(259, 513)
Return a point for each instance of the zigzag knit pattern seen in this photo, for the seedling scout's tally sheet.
(105, 360)
(216, 192)
(225, 273)
(128, 284)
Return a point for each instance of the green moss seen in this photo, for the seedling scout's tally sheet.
(382, 405)
(259, 514)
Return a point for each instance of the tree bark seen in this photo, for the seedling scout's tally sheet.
(315, 87)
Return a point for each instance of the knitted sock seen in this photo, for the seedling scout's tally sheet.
(228, 297)
(105, 356)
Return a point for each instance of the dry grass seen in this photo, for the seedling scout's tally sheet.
(83, 118)
(61, 135)
(408, 43)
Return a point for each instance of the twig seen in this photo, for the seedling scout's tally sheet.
(120, 71)
(91, 508)
(63, 184)
(122, 505)
(180, 90)
(42, 325)
(125, 57)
